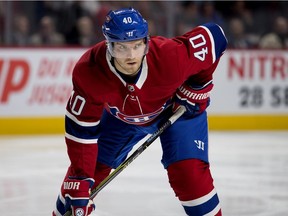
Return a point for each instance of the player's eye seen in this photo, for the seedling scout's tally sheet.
(137, 46)
(122, 47)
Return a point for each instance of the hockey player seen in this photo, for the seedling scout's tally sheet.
(124, 88)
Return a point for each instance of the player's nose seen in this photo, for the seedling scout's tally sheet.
(130, 53)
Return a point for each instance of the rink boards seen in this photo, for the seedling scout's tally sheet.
(55, 125)
(250, 93)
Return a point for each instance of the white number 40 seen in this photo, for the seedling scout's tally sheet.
(198, 41)
(127, 20)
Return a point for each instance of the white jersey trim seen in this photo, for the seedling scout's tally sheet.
(80, 140)
(212, 43)
(143, 75)
(108, 59)
(81, 123)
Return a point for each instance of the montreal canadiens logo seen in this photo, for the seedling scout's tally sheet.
(136, 119)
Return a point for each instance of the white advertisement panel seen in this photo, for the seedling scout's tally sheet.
(37, 82)
(251, 82)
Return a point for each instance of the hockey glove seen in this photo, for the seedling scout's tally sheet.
(77, 192)
(195, 100)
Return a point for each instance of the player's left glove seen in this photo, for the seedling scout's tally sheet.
(195, 99)
(77, 193)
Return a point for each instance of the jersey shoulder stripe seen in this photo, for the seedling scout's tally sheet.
(218, 39)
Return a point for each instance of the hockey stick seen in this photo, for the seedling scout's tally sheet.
(135, 154)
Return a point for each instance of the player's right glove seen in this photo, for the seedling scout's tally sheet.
(194, 99)
(77, 193)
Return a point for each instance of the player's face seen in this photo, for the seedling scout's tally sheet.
(131, 49)
(128, 55)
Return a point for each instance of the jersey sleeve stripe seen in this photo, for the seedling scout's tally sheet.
(212, 43)
(81, 123)
(79, 131)
(216, 33)
(79, 140)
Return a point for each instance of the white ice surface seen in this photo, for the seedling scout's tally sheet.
(250, 170)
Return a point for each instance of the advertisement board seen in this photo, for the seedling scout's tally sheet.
(251, 82)
(251, 89)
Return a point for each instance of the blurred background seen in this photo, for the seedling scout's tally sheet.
(248, 24)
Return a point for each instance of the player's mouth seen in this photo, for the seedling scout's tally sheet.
(131, 63)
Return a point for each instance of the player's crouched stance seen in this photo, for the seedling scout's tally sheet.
(122, 92)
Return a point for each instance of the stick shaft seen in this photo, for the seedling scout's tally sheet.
(136, 153)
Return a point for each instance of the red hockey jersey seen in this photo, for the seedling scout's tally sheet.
(97, 85)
